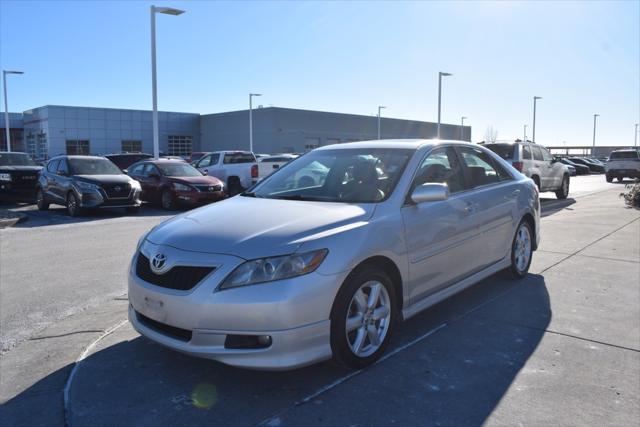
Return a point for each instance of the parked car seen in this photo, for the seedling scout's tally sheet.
(237, 169)
(268, 164)
(124, 160)
(537, 163)
(172, 182)
(593, 167)
(580, 169)
(623, 164)
(18, 177)
(284, 275)
(572, 170)
(86, 182)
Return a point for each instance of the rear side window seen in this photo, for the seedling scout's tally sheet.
(52, 166)
(624, 155)
(231, 158)
(62, 167)
(503, 150)
(537, 153)
(481, 168)
(546, 155)
(526, 152)
(137, 169)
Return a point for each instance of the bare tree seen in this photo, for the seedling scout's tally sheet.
(491, 134)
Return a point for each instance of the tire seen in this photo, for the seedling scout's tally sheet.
(620, 179)
(233, 185)
(41, 202)
(536, 180)
(563, 192)
(166, 201)
(609, 178)
(519, 265)
(355, 349)
(72, 205)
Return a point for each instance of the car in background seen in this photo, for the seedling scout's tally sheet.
(535, 162)
(580, 169)
(86, 182)
(18, 177)
(623, 164)
(283, 276)
(124, 160)
(173, 183)
(268, 164)
(237, 169)
(593, 167)
(572, 169)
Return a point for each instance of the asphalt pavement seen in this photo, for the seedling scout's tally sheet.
(561, 346)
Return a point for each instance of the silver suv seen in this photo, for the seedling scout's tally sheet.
(623, 164)
(537, 163)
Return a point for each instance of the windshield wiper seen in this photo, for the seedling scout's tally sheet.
(249, 194)
(299, 197)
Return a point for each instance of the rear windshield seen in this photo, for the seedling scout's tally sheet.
(239, 158)
(503, 150)
(624, 155)
(93, 166)
(16, 159)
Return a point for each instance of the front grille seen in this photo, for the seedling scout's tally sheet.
(177, 333)
(180, 277)
(24, 180)
(208, 188)
(117, 191)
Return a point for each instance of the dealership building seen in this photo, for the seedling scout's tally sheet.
(53, 129)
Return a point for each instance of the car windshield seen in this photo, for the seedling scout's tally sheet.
(624, 155)
(340, 175)
(239, 158)
(93, 166)
(16, 159)
(503, 150)
(178, 169)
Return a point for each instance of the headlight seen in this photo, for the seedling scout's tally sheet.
(181, 187)
(135, 185)
(86, 186)
(275, 268)
(5, 177)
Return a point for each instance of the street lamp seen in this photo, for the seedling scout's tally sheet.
(380, 107)
(595, 116)
(635, 136)
(462, 127)
(535, 98)
(6, 107)
(440, 75)
(154, 89)
(251, 95)
(525, 134)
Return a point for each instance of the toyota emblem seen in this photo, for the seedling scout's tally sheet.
(158, 262)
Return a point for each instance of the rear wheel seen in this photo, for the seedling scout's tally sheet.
(521, 251)
(363, 317)
(73, 206)
(536, 180)
(563, 191)
(620, 179)
(233, 185)
(609, 178)
(40, 200)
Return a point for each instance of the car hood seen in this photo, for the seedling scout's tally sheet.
(105, 179)
(20, 168)
(253, 227)
(196, 180)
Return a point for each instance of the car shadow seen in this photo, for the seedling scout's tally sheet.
(450, 365)
(549, 206)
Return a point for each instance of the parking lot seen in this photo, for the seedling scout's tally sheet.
(560, 347)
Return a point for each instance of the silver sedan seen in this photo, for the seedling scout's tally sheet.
(303, 268)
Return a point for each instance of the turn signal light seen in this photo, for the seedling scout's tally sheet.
(254, 171)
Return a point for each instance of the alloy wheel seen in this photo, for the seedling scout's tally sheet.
(72, 205)
(368, 318)
(522, 249)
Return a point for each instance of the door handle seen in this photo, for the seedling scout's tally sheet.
(514, 194)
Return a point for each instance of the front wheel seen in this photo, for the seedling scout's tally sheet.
(521, 251)
(609, 178)
(166, 200)
(563, 192)
(41, 201)
(363, 317)
(620, 179)
(73, 207)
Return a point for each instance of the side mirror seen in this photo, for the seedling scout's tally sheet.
(125, 171)
(204, 172)
(431, 192)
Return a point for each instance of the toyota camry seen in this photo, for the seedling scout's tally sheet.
(305, 267)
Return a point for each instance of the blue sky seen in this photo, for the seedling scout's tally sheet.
(581, 57)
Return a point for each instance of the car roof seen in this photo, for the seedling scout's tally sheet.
(395, 143)
(626, 150)
(68, 156)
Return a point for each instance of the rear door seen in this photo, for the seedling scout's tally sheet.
(49, 180)
(136, 172)
(150, 182)
(546, 178)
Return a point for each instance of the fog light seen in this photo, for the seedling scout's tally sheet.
(264, 340)
(247, 341)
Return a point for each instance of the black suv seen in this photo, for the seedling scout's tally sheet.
(124, 160)
(82, 182)
(18, 177)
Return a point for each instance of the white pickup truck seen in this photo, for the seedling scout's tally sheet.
(269, 164)
(623, 164)
(237, 169)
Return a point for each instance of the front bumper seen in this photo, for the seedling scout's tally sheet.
(10, 192)
(624, 173)
(195, 198)
(293, 312)
(98, 200)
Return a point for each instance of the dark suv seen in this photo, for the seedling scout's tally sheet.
(82, 182)
(18, 177)
(124, 160)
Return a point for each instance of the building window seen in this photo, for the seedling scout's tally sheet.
(131, 146)
(42, 146)
(180, 145)
(77, 147)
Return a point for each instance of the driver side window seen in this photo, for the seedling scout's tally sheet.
(440, 166)
(63, 169)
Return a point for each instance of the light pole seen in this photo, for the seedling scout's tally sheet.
(535, 98)
(440, 75)
(251, 95)
(595, 116)
(635, 136)
(525, 134)
(6, 105)
(380, 107)
(154, 88)
(462, 127)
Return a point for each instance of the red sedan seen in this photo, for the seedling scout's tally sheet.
(172, 183)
